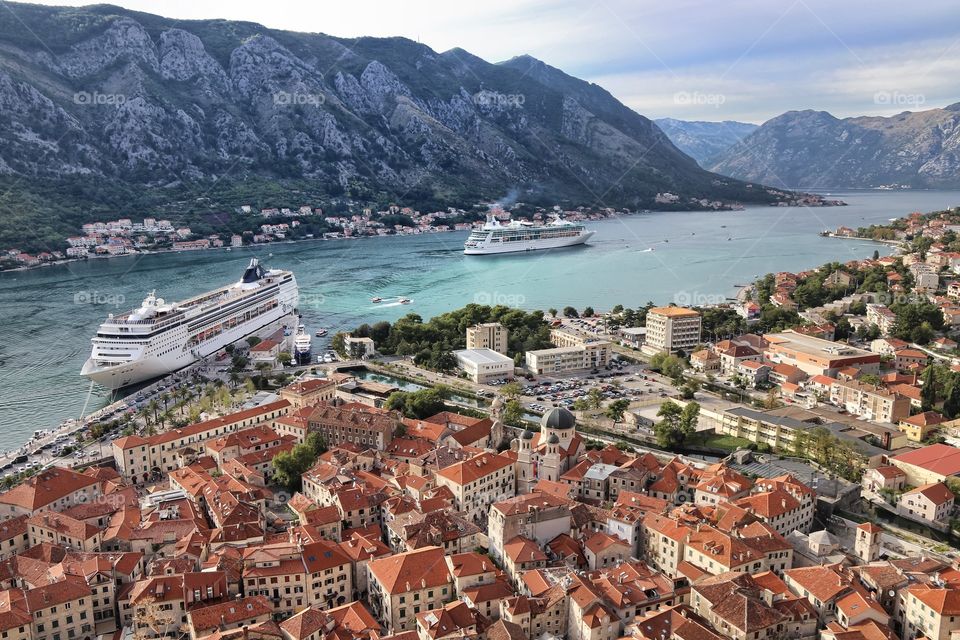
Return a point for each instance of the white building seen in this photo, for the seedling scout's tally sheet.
(483, 365)
(671, 329)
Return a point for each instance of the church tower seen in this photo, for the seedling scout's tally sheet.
(867, 542)
(524, 470)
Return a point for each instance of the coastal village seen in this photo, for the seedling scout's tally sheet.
(124, 236)
(682, 475)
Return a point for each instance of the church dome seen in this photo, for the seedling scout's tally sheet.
(527, 434)
(558, 418)
(553, 439)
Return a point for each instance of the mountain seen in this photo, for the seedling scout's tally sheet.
(813, 149)
(704, 140)
(109, 111)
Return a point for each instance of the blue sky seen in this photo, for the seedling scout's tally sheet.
(705, 60)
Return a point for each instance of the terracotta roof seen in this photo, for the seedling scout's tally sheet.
(56, 593)
(46, 487)
(64, 525)
(769, 504)
(412, 570)
(522, 504)
(475, 468)
(936, 492)
(824, 583)
(228, 613)
(942, 601)
(470, 563)
(600, 542)
(522, 550)
(941, 459)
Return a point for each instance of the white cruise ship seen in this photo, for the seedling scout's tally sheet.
(517, 235)
(160, 337)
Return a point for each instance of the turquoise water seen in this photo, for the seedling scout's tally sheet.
(48, 315)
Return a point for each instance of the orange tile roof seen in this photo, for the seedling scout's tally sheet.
(935, 492)
(46, 487)
(468, 471)
(412, 570)
(232, 612)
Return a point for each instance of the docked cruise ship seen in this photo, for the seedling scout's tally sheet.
(160, 337)
(517, 235)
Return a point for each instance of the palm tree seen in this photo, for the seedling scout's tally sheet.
(154, 407)
(234, 379)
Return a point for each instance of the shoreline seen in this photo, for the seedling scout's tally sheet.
(146, 252)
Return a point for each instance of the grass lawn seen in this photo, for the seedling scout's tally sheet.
(717, 441)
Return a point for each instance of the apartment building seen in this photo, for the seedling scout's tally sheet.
(53, 489)
(672, 329)
(138, 458)
(540, 517)
(353, 423)
(406, 584)
(479, 482)
(816, 356)
(57, 528)
(931, 502)
(488, 335)
(870, 402)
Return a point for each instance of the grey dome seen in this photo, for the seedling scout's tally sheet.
(527, 434)
(553, 439)
(558, 418)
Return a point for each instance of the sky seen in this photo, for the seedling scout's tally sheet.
(693, 60)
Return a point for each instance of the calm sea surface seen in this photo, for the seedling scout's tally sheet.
(48, 315)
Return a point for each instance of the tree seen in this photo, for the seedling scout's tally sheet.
(513, 413)
(928, 392)
(418, 404)
(951, 406)
(511, 390)
(253, 341)
(552, 312)
(616, 409)
(263, 368)
(570, 312)
(588, 312)
(152, 619)
(672, 430)
(594, 398)
(316, 443)
(289, 466)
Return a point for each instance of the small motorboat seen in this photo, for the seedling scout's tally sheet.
(376, 299)
(321, 332)
(405, 300)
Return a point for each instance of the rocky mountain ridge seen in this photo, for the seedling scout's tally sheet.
(813, 149)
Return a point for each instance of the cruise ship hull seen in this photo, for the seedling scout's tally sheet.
(143, 369)
(159, 338)
(528, 245)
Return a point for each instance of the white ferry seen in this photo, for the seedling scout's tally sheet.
(517, 235)
(160, 337)
(301, 345)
